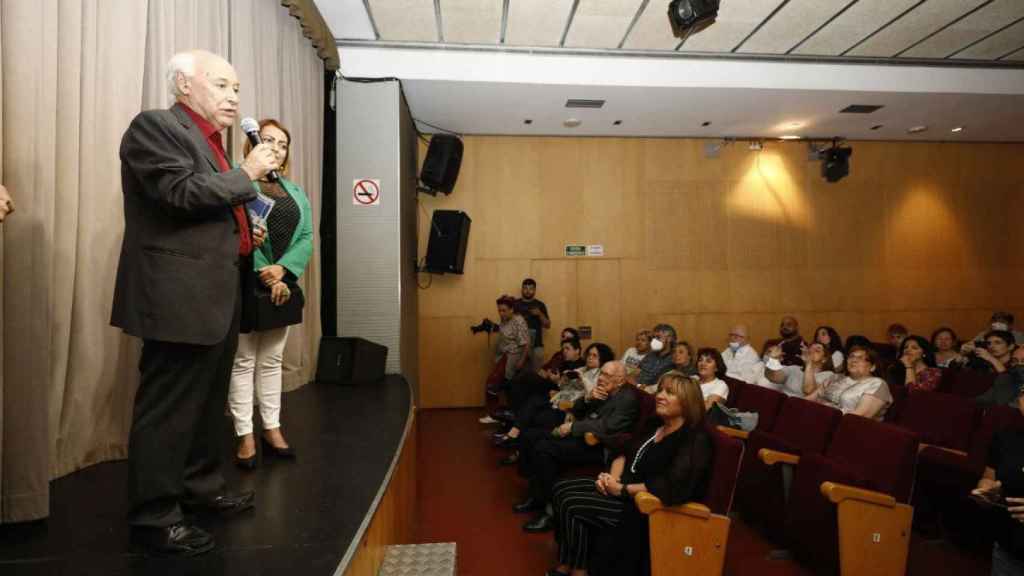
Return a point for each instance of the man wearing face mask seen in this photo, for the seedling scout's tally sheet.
(741, 360)
(1001, 321)
(1004, 390)
(659, 359)
(790, 341)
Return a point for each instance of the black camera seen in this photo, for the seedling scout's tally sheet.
(485, 325)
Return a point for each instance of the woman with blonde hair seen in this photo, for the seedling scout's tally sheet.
(670, 458)
(271, 302)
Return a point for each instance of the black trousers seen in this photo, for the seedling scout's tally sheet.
(175, 443)
(537, 412)
(525, 388)
(550, 455)
(581, 514)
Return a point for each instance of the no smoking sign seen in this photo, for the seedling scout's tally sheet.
(366, 192)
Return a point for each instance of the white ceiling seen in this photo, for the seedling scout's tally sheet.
(485, 66)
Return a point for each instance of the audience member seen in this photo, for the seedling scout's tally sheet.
(1001, 321)
(990, 355)
(536, 314)
(710, 371)
(741, 360)
(895, 334)
(636, 353)
(917, 363)
(6, 203)
(1003, 479)
(858, 392)
(789, 340)
(858, 340)
(512, 351)
(946, 345)
(790, 379)
(833, 343)
(598, 523)
(659, 359)
(683, 360)
(609, 410)
(1004, 389)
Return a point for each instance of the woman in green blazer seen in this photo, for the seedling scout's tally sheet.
(279, 261)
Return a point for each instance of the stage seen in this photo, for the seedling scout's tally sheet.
(310, 514)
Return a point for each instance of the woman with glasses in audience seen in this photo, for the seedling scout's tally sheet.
(829, 338)
(945, 344)
(918, 365)
(597, 524)
(858, 391)
(710, 371)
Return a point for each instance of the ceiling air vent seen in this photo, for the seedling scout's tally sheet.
(859, 109)
(577, 103)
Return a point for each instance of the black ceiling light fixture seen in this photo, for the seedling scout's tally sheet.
(835, 162)
(689, 16)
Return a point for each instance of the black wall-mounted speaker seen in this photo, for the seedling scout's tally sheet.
(441, 166)
(350, 361)
(449, 234)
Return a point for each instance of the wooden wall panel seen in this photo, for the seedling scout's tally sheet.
(922, 234)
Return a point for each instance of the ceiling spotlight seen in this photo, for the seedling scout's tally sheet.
(689, 16)
(617, 123)
(572, 123)
(957, 129)
(916, 129)
(706, 123)
(835, 162)
(877, 126)
(528, 121)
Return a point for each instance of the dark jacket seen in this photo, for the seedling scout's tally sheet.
(1004, 390)
(606, 417)
(177, 279)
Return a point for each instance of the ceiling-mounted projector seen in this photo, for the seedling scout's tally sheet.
(689, 16)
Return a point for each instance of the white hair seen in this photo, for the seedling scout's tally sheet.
(183, 63)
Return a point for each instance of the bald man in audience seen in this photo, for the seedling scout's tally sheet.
(789, 340)
(741, 360)
(6, 203)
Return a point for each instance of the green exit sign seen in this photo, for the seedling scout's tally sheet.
(575, 250)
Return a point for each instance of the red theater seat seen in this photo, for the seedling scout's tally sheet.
(969, 383)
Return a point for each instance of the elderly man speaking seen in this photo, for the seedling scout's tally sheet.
(186, 240)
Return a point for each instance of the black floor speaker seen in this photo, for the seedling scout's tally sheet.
(446, 248)
(350, 361)
(441, 166)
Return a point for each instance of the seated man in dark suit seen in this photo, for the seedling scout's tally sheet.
(610, 409)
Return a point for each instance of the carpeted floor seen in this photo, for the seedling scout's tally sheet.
(466, 498)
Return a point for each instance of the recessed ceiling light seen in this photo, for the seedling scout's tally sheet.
(706, 123)
(572, 123)
(957, 129)
(916, 129)
(877, 126)
(789, 137)
(617, 123)
(528, 121)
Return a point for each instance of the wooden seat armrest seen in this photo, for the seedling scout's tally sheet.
(591, 439)
(734, 433)
(837, 493)
(648, 503)
(773, 457)
(922, 446)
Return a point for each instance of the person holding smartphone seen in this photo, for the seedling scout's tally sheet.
(1002, 487)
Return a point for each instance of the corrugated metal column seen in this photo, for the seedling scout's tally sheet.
(377, 240)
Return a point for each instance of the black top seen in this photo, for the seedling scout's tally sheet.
(676, 470)
(569, 365)
(1004, 390)
(283, 218)
(533, 322)
(1006, 457)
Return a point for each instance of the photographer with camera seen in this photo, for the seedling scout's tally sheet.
(1001, 320)
(989, 355)
(512, 350)
(1001, 490)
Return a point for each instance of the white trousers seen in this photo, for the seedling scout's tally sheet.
(256, 377)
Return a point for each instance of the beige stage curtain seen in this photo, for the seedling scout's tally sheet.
(75, 72)
(265, 38)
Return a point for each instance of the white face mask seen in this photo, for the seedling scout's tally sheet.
(1000, 326)
(657, 345)
(734, 346)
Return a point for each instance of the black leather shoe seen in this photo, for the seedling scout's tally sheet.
(542, 523)
(287, 453)
(507, 442)
(179, 539)
(528, 505)
(223, 505)
(246, 463)
(510, 459)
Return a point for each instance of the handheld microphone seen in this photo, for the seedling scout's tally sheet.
(252, 130)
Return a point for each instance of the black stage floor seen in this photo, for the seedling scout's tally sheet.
(307, 512)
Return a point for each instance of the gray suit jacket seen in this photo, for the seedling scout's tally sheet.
(178, 277)
(609, 417)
